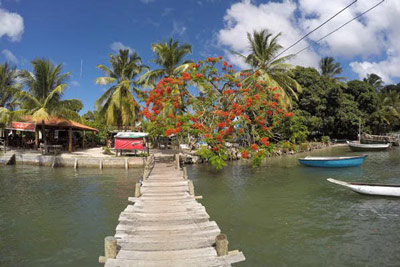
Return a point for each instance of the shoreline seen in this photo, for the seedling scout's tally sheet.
(94, 159)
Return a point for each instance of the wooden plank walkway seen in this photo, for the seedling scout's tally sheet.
(166, 226)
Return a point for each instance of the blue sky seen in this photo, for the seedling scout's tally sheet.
(78, 31)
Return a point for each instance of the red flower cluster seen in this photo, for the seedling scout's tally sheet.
(186, 76)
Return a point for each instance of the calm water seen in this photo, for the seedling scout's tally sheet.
(284, 214)
(281, 214)
(59, 217)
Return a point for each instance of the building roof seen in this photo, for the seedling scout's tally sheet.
(60, 123)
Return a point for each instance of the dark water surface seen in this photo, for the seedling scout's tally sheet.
(284, 214)
(59, 217)
(281, 214)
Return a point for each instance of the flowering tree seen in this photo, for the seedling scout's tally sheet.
(221, 113)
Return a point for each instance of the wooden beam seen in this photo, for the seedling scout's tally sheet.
(36, 138)
(70, 140)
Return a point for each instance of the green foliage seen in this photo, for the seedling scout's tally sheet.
(106, 150)
(45, 88)
(216, 160)
(96, 120)
(325, 139)
(118, 104)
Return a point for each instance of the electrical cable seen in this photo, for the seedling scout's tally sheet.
(352, 3)
(368, 10)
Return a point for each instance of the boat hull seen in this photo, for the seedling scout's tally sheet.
(334, 163)
(370, 189)
(368, 147)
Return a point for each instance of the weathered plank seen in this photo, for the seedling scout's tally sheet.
(166, 226)
(167, 255)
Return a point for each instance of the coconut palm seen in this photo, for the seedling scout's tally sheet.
(329, 69)
(45, 87)
(266, 66)
(8, 84)
(374, 80)
(170, 57)
(118, 104)
(8, 88)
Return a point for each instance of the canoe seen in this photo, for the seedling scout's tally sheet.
(367, 147)
(391, 190)
(333, 162)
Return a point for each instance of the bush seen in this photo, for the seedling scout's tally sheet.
(325, 139)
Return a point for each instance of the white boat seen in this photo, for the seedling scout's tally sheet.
(367, 147)
(390, 190)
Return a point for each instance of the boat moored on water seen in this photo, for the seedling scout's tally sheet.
(390, 190)
(333, 162)
(367, 147)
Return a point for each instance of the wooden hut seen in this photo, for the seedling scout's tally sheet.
(53, 132)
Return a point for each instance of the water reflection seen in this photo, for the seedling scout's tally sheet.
(59, 217)
(285, 214)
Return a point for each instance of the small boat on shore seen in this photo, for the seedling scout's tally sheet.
(390, 190)
(333, 162)
(367, 147)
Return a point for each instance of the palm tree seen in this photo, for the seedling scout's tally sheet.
(374, 80)
(45, 87)
(8, 88)
(266, 66)
(169, 56)
(117, 104)
(8, 84)
(329, 69)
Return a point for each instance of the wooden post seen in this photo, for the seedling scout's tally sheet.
(126, 164)
(185, 173)
(93, 136)
(110, 247)
(44, 134)
(83, 139)
(177, 161)
(76, 164)
(36, 138)
(53, 164)
(70, 140)
(191, 188)
(221, 242)
(6, 144)
(137, 190)
(101, 164)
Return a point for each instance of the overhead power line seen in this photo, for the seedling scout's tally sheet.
(368, 10)
(326, 21)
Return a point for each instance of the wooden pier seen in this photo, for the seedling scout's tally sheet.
(166, 226)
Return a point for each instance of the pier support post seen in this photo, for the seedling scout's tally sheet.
(177, 161)
(70, 140)
(110, 249)
(191, 188)
(101, 164)
(126, 164)
(221, 242)
(137, 190)
(76, 164)
(185, 173)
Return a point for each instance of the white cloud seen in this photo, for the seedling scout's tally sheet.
(9, 56)
(371, 36)
(75, 83)
(11, 24)
(277, 17)
(146, 1)
(178, 28)
(116, 46)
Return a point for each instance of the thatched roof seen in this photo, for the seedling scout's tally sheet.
(60, 123)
